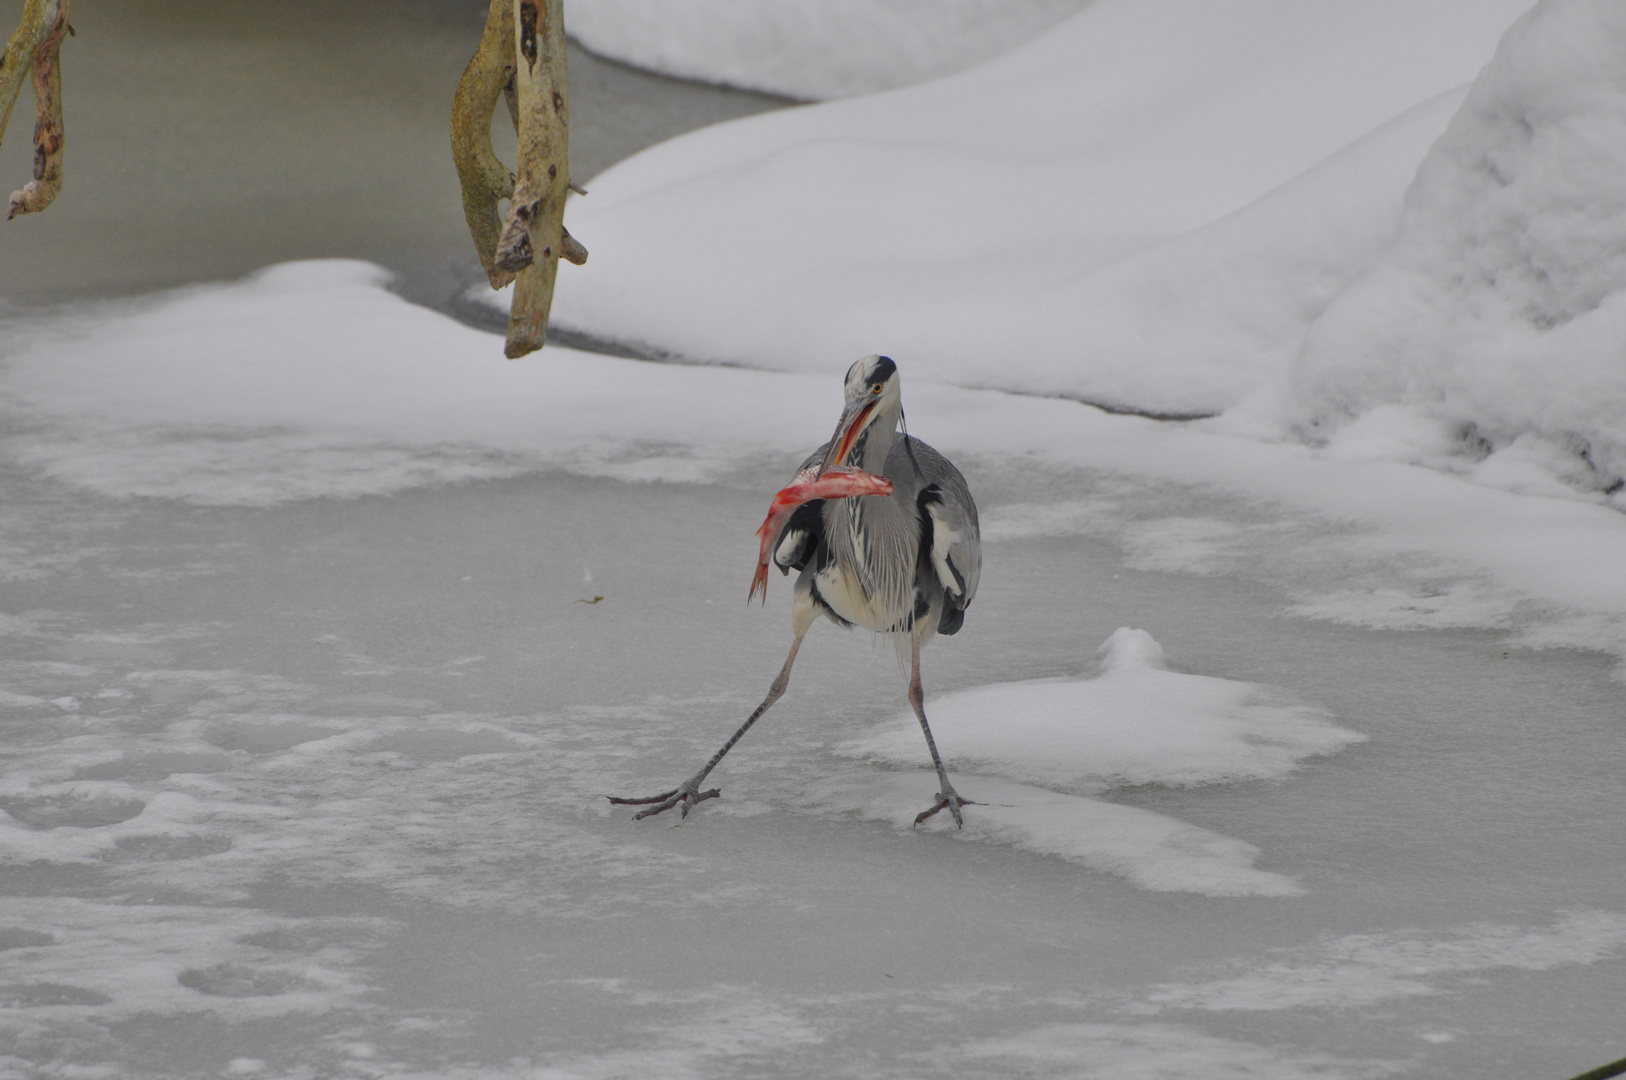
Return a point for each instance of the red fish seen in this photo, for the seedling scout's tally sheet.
(807, 486)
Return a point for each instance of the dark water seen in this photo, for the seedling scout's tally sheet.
(208, 139)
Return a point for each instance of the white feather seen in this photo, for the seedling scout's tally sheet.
(943, 538)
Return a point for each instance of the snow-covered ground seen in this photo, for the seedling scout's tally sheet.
(1295, 730)
(1183, 208)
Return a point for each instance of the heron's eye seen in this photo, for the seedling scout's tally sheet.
(877, 388)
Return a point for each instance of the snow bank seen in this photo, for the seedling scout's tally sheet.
(311, 379)
(1127, 209)
(1134, 723)
(1500, 311)
(1186, 209)
(811, 48)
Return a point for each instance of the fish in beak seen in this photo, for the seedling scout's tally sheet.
(804, 489)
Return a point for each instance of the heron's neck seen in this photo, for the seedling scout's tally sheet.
(876, 442)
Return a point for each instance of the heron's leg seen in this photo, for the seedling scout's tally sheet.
(947, 797)
(688, 793)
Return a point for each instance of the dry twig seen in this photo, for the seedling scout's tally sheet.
(485, 179)
(521, 57)
(36, 48)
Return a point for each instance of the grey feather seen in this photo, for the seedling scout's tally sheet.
(877, 541)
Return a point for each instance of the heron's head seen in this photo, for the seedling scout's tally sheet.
(872, 397)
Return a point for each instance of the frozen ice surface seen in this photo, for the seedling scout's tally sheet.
(1154, 851)
(811, 48)
(306, 727)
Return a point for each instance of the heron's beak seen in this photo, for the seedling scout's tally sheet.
(851, 425)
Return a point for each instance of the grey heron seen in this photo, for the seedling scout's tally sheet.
(904, 563)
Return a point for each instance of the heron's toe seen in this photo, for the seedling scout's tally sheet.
(949, 800)
(685, 795)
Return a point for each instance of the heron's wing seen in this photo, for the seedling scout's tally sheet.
(798, 542)
(799, 539)
(955, 540)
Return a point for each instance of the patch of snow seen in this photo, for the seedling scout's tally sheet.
(811, 48)
(1161, 1051)
(1135, 722)
(125, 960)
(310, 379)
(1179, 215)
(1362, 969)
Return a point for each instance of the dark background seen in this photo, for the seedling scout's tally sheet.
(208, 138)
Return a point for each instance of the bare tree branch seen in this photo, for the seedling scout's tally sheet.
(533, 235)
(36, 48)
(521, 59)
(485, 179)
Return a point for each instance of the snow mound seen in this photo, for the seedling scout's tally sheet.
(1151, 850)
(1165, 194)
(1500, 310)
(1135, 722)
(311, 379)
(811, 48)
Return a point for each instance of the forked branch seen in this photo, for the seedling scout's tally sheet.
(521, 58)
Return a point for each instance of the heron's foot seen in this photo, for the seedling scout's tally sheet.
(685, 795)
(948, 799)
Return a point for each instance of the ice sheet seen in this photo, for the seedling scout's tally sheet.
(318, 788)
(1153, 851)
(1363, 969)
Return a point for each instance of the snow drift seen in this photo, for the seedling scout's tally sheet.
(1291, 213)
(811, 48)
(1143, 207)
(1501, 309)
